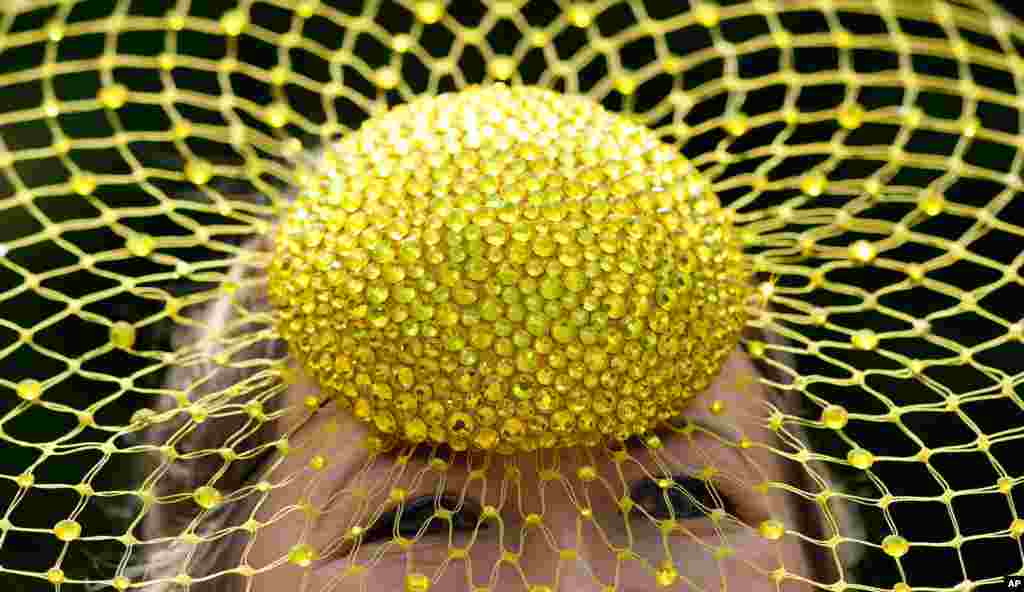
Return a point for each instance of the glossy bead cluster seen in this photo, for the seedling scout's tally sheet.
(508, 269)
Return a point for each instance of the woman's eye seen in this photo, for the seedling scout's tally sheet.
(667, 503)
(418, 512)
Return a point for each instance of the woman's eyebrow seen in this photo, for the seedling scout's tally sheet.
(714, 425)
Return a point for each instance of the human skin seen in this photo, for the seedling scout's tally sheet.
(337, 438)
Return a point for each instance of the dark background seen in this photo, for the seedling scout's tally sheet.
(920, 521)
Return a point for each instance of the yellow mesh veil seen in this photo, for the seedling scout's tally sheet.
(511, 295)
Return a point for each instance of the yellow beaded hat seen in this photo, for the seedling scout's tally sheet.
(511, 295)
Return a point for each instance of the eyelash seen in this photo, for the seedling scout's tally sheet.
(420, 510)
(664, 504)
(660, 504)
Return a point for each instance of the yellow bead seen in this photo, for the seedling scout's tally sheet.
(55, 575)
(401, 43)
(182, 130)
(901, 587)
(29, 390)
(140, 245)
(862, 252)
(1017, 527)
(666, 575)
(851, 116)
(317, 463)
(198, 171)
(860, 458)
(912, 117)
(233, 22)
(122, 335)
(813, 184)
(278, 77)
(706, 14)
(895, 545)
(586, 473)
(865, 339)
(386, 78)
(55, 32)
(415, 582)
(564, 332)
(83, 184)
(512, 429)
(67, 530)
(486, 439)
(971, 127)
(834, 417)
(385, 422)
(625, 85)
(113, 96)
(207, 497)
(302, 555)
(932, 203)
(429, 11)
(772, 529)
(579, 15)
(291, 147)
(501, 68)
(416, 430)
(276, 115)
(167, 61)
(25, 480)
(737, 125)
(873, 187)
(121, 583)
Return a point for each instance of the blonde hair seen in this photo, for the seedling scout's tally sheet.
(205, 376)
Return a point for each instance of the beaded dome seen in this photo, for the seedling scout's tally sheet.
(508, 268)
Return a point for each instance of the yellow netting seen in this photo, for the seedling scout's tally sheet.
(158, 433)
